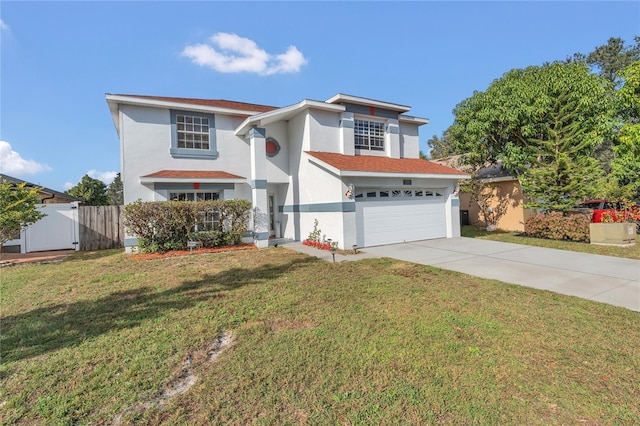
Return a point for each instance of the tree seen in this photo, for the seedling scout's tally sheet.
(115, 195)
(544, 124)
(608, 61)
(441, 148)
(92, 191)
(611, 58)
(17, 208)
(625, 167)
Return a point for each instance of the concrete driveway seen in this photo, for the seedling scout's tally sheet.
(604, 279)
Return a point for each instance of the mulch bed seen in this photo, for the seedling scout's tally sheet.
(178, 253)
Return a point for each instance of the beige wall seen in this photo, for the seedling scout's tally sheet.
(507, 203)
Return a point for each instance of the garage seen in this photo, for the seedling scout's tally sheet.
(387, 216)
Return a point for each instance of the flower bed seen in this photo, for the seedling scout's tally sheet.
(317, 244)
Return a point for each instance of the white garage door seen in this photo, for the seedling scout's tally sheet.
(387, 216)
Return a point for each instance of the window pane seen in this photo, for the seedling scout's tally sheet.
(408, 193)
(384, 194)
(419, 193)
(189, 119)
(396, 193)
(372, 194)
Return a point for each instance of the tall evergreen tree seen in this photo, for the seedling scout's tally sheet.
(92, 191)
(563, 171)
(115, 194)
(609, 59)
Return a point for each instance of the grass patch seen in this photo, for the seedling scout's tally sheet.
(367, 342)
(631, 252)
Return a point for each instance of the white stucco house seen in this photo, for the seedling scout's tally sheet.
(350, 162)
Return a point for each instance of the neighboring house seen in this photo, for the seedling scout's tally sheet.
(351, 163)
(47, 195)
(506, 203)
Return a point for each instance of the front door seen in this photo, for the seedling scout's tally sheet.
(272, 215)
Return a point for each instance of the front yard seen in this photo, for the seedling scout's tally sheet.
(106, 339)
(632, 252)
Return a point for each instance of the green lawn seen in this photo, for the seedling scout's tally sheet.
(632, 252)
(98, 338)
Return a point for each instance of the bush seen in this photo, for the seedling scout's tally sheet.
(558, 226)
(168, 225)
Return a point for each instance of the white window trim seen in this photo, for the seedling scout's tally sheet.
(368, 148)
(176, 152)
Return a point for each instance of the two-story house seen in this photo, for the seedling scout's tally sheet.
(352, 163)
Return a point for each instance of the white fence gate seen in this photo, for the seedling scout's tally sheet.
(58, 230)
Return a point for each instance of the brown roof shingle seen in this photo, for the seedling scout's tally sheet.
(369, 163)
(193, 174)
(220, 103)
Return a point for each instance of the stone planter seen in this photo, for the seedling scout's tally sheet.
(618, 234)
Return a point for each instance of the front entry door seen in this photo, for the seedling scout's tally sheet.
(272, 215)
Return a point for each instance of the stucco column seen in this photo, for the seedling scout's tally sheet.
(347, 141)
(257, 140)
(392, 138)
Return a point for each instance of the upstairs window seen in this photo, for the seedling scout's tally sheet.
(193, 135)
(369, 135)
(193, 132)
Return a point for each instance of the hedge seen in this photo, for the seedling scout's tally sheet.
(558, 226)
(170, 225)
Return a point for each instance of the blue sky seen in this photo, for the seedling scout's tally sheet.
(58, 59)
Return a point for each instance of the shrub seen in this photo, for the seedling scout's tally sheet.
(168, 225)
(558, 226)
(314, 239)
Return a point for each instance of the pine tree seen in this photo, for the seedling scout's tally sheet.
(563, 171)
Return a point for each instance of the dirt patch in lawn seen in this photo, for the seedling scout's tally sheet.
(183, 378)
(204, 250)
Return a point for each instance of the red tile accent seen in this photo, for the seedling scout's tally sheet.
(193, 174)
(370, 163)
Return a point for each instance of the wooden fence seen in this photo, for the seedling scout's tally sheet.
(101, 227)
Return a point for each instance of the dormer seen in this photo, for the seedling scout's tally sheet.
(371, 127)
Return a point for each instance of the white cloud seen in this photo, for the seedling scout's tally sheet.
(68, 185)
(230, 53)
(12, 163)
(106, 177)
(3, 26)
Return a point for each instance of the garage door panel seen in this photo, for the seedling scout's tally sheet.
(389, 222)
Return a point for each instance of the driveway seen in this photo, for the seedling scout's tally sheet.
(605, 279)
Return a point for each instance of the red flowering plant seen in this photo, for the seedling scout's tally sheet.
(314, 240)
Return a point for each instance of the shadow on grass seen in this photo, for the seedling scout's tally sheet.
(65, 325)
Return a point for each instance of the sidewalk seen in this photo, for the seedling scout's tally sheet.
(9, 259)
